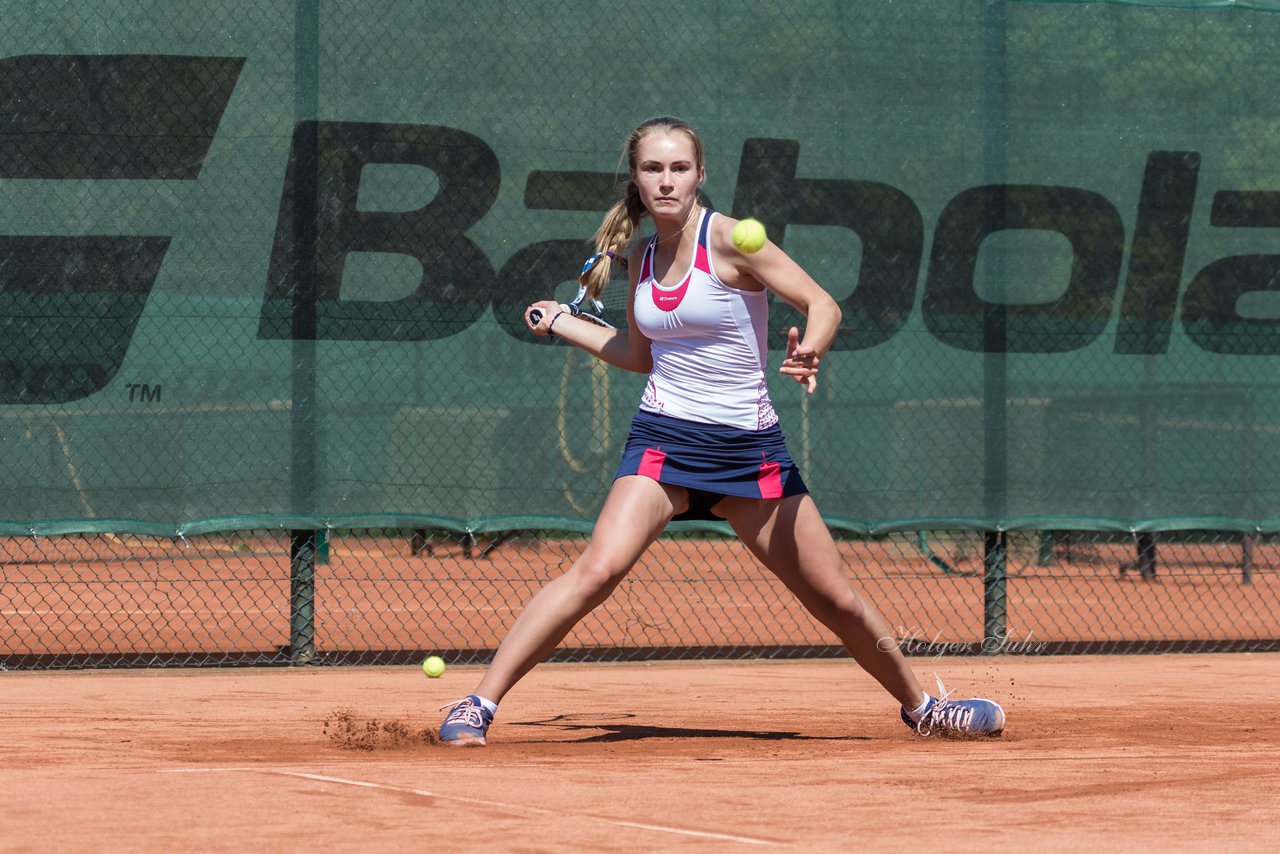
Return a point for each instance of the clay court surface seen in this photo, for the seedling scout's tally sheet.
(1172, 752)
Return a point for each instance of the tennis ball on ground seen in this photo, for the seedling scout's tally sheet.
(749, 235)
(433, 666)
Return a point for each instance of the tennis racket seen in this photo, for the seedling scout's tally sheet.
(575, 308)
(614, 291)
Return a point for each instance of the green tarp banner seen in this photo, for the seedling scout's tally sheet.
(263, 262)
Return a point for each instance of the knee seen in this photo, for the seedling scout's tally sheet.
(845, 607)
(594, 580)
(855, 606)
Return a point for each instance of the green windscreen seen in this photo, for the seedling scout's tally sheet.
(264, 262)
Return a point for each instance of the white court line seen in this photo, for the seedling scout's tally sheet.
(519, 808)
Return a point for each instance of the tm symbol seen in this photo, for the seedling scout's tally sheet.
(144, 392)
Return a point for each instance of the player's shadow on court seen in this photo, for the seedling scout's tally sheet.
(615, 732)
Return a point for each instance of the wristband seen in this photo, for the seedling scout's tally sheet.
(551, 325)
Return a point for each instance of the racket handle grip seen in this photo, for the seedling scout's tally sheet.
(536, 315)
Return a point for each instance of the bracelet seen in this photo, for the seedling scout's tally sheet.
(551, 325)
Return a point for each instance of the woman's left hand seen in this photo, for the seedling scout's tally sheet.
(801, 363)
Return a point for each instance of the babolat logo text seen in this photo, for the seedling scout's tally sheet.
(459, 284)
(71, 303)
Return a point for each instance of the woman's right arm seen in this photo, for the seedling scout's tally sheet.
(623, 348)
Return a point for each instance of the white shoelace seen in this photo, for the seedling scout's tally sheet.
(468, 714)
(943, 714)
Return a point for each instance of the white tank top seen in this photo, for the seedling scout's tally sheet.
(709, 344)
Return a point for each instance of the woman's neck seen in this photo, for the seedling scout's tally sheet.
(691, 218)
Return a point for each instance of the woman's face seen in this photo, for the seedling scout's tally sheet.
(667, 173)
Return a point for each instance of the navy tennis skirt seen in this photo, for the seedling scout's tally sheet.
(710, 460)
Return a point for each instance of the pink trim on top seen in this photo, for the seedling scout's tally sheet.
(700, 262)
(669, 299)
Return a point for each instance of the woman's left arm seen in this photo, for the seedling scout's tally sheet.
(773, 269)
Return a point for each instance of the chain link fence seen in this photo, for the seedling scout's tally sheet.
(266, 395)
(394, 596)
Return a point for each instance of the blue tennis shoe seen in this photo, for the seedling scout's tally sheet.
(947, 717)
(467, 723)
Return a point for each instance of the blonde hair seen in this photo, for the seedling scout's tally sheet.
(621, 221)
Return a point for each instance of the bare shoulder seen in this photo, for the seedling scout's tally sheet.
(720, 236)
(733, 267)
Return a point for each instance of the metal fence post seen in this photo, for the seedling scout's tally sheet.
(302, 543)
(995, 382)
(995, 598)
(302, 596)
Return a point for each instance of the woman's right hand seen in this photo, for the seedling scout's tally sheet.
(548, 309)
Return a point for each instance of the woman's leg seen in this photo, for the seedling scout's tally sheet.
(790, 538)
(634, 514)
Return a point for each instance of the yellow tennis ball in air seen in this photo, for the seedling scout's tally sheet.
(749, 235)
(433, 666)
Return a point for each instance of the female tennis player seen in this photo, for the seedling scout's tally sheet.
(705, 442)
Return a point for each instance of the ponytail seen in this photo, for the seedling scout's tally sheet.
(611, 239)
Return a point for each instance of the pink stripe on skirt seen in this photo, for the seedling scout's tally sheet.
(770, 480)
(651, 464)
